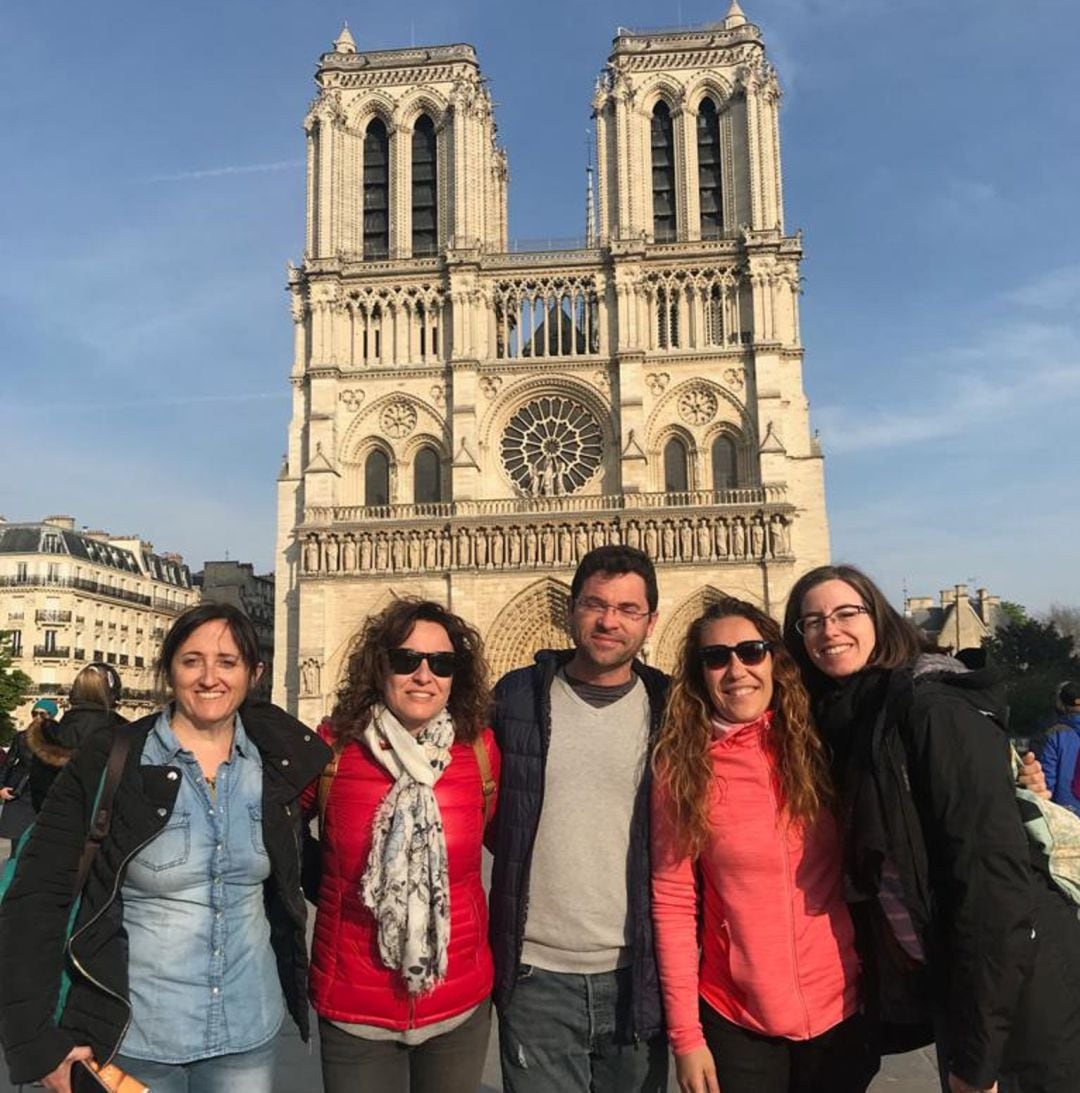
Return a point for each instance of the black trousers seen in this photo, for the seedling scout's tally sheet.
(450, 1063)
(841, 1060)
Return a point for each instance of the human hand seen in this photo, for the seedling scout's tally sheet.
(1031, 775)
(59, 1080)
(7, 794)
(958, 1085)
(696, 1072)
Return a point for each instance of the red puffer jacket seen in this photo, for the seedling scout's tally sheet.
(349, 981)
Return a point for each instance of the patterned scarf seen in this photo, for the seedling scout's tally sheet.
(405, 884)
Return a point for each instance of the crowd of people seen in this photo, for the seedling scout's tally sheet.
(799, 852)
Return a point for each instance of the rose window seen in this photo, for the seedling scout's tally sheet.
(551, 446)
(697, 406)
(398, 419)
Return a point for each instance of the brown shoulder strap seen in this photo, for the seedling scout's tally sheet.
(326, 779)
(102, 818)
(483, 761)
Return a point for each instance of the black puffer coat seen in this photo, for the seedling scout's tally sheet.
(35, 911)
(53, 743)
(927, 784)
(522, 725)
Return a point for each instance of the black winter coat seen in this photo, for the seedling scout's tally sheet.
(522, 725)
(53, 743)
(932, 790)
(34, 914)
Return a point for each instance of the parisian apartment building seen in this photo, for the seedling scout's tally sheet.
(472, 414)
(69, 597)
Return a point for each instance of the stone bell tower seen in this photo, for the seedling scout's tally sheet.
(469, 420)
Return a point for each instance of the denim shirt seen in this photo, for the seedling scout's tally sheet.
(203, 979)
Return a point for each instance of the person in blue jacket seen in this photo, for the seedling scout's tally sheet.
(1060, 752)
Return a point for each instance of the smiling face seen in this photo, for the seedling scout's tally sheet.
(839, 648)
(739, 692)
(416, 698)
(610, 621)
(209, 678)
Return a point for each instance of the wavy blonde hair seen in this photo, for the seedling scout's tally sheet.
(681, 759)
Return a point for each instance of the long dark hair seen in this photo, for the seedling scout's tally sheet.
(367, 668)
(681, 759)
(897, 643)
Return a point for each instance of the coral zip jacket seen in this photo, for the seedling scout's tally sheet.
(349, 981)
(777, 945)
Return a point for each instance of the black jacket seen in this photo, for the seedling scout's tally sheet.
(932, 790)
(34, 914)
(53, 743)
(522, 726)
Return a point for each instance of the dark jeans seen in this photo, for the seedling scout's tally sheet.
(838, 1061)
(565, 1033)
(450, 1063)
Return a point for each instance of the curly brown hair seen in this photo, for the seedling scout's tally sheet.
(367, 668)
(681, 760)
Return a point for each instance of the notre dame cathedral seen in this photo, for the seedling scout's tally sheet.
(469, 419)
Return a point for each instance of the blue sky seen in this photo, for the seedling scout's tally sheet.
(153, 191)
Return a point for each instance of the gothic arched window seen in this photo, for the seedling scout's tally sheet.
(710, 186)
(377, 479)
(675, 470)
(427, 477)
(714, 317)
(663, 173)
(376, 190)
(725, 470)
(425, 207)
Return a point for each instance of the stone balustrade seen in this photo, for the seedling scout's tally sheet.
(702, 536)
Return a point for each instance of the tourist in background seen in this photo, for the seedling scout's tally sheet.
(955, 930)
(1059, 751)
(401, 969)
(92, 701)
(16, 805)
(189, 938)
(743, 834)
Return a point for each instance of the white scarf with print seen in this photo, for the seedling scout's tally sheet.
(406, 883)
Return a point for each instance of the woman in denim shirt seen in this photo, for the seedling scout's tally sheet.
(189, 941)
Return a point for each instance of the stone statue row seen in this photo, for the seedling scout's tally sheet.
(706, 539)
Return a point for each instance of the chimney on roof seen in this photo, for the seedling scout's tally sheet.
(67, 523)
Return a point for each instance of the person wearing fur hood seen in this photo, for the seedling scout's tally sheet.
(92, 706)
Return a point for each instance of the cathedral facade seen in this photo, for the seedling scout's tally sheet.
(469, 419)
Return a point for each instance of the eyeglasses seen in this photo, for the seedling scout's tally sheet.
(812, 624)
(403, 662)
(627, 611)
(748, 652)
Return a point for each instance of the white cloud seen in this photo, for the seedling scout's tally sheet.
(1058, 290)
(234, 169)
(1012, 369)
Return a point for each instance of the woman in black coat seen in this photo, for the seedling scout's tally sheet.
(92, 703)
(964, 937)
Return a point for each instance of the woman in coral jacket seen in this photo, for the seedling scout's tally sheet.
(401, 971)
(743, 836)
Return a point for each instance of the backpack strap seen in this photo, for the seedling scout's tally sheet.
(326, 780)
(103, 802)
(487, 782)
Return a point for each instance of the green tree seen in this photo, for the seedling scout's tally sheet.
(1015, 612)
(1034, 657)
(13, 687)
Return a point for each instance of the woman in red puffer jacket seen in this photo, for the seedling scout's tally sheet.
(401, 970)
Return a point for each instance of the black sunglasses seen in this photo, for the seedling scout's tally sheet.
(748, 652)
(403, 662)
